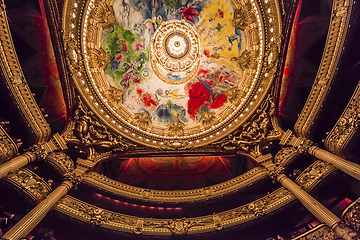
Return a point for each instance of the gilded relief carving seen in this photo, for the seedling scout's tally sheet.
(285, 155)
(346, 126)
(8, 148)
(94, 135)
(249, 136)
(243, 16)
(321, 231)
(313, 174)
(114, 96)
(351, 215)
(150, 226)
(15, 80)
(62, 161)
(142, 120)
(249, 59)
(335, 39)
(98, 58)
(29, 182)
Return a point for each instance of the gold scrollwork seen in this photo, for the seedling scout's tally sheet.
(150, 226)
(351, 215)
(243, 16)
(312, 175)
(30, 183)
(346, 126)
(62, 161)
(8, 148)
(142, 120)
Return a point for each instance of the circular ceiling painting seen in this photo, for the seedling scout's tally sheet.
(170, 73)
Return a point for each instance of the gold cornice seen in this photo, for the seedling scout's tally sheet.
(17, 84)
(193, 195)
(312, 175)
(8, 148)
(149, 226)
(346, 126)
(341, 12)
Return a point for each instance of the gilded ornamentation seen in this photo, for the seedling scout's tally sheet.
(142, 120)
(72, 177)
(103, 12)
(252, 133)
(16, 83)
(234, 96)
(271, 56)
(302, 145)
(62, 161)
(351, 215)
(224, 188)
(243, 16)
(218, 223)
(346, 126)
(29, 182)
(98, 58)
(8, 148)
(176, 128)
(335, 39)
(150, 226)
(322, 232)
(74, 56)
(249, 59)
(114, 96)
(275, 172)
(344, 231)
(175, 144)
(208, 120)
(95, 135)
(285, 155)
(316, 171)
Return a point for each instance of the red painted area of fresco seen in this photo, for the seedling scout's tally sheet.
(148, 100)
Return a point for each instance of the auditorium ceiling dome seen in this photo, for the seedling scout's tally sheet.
(179, 119)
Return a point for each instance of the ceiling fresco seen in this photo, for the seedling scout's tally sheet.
(168, 92)
(173, 74)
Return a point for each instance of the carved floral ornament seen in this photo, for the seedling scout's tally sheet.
(149, 226)
(88, 26)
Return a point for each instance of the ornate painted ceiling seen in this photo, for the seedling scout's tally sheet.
(174, 115)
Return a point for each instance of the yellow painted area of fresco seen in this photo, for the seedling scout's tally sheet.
(212, 37)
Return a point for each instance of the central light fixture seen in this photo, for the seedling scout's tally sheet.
(175, 51)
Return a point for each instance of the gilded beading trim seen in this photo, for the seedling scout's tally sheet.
(312, 175)
(33, 185)
(8, 148)
(17, 84)
(200, 194)
(78, 19)
(346, 126)
(335, 39)
(149, 226)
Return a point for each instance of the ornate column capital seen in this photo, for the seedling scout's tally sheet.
(267, 162)
(43, 149)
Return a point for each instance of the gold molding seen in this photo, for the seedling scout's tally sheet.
(16, 82)
(346, 126)
(312, 175)
(8, 148)
(335, 39)
(149, 226)
(33, 185)
(193, 195)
